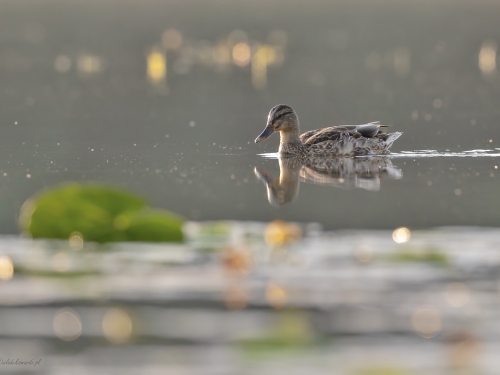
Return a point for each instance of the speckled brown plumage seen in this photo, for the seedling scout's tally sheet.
(344, 140)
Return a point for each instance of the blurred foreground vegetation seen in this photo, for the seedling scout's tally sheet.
(97, 213)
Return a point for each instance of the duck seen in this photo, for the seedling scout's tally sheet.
(339, 172)
(342, 140)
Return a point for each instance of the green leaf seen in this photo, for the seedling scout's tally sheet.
(98, 213)
(154, 226)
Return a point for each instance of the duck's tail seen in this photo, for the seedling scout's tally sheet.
(391, 137)
(376, 146)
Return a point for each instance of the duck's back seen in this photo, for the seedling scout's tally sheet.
(349, 139)
(333, 133)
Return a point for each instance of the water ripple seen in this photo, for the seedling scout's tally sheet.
(421, 154)
(434, 154)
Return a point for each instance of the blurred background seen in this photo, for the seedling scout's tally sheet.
(357, 274)
(166, 98)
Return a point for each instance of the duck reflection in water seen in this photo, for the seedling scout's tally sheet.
(345, 173)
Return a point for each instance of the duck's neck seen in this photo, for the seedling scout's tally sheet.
(290, 142)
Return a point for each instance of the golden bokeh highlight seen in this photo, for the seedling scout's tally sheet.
(237, 49)
(401, 235)
(237, 261)
(263, 56)
(6, 268)
(464, 350)
(279, 233)
(76, 241)
(157, 66)
(67, 324)
(236, 298)
(488, 57)
(457, 294)
(171, 39)
(89, 64)
(241, 54)
(117, 326)
(276, 296)
(427, 321)
(60, 262)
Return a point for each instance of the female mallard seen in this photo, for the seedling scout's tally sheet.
(344, 140)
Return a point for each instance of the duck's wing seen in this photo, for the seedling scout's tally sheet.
(332, 133)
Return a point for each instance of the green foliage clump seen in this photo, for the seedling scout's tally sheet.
(431, 255)
(97, 213)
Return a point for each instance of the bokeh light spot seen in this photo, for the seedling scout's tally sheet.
(6, 268)
(117, 326)
(157, 66)
(62, 64)
(401, 235)
(279, 233)
(276, 296)
(236, 298)
(89, 64)
(427, 321)
(76, 241)
(241, 54)
(171, 39)
(237, 261)
(488, 57)
(67, 324)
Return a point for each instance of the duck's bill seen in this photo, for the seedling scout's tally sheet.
(265, 134)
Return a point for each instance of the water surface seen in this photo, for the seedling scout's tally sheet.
(166, 99)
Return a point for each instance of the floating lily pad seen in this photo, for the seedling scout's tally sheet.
(97, 213)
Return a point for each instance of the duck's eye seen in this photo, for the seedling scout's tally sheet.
(281, 116)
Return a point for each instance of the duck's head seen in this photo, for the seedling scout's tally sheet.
(282, 118)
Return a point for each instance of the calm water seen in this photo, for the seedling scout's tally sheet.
(166, 98)
(87, 94)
